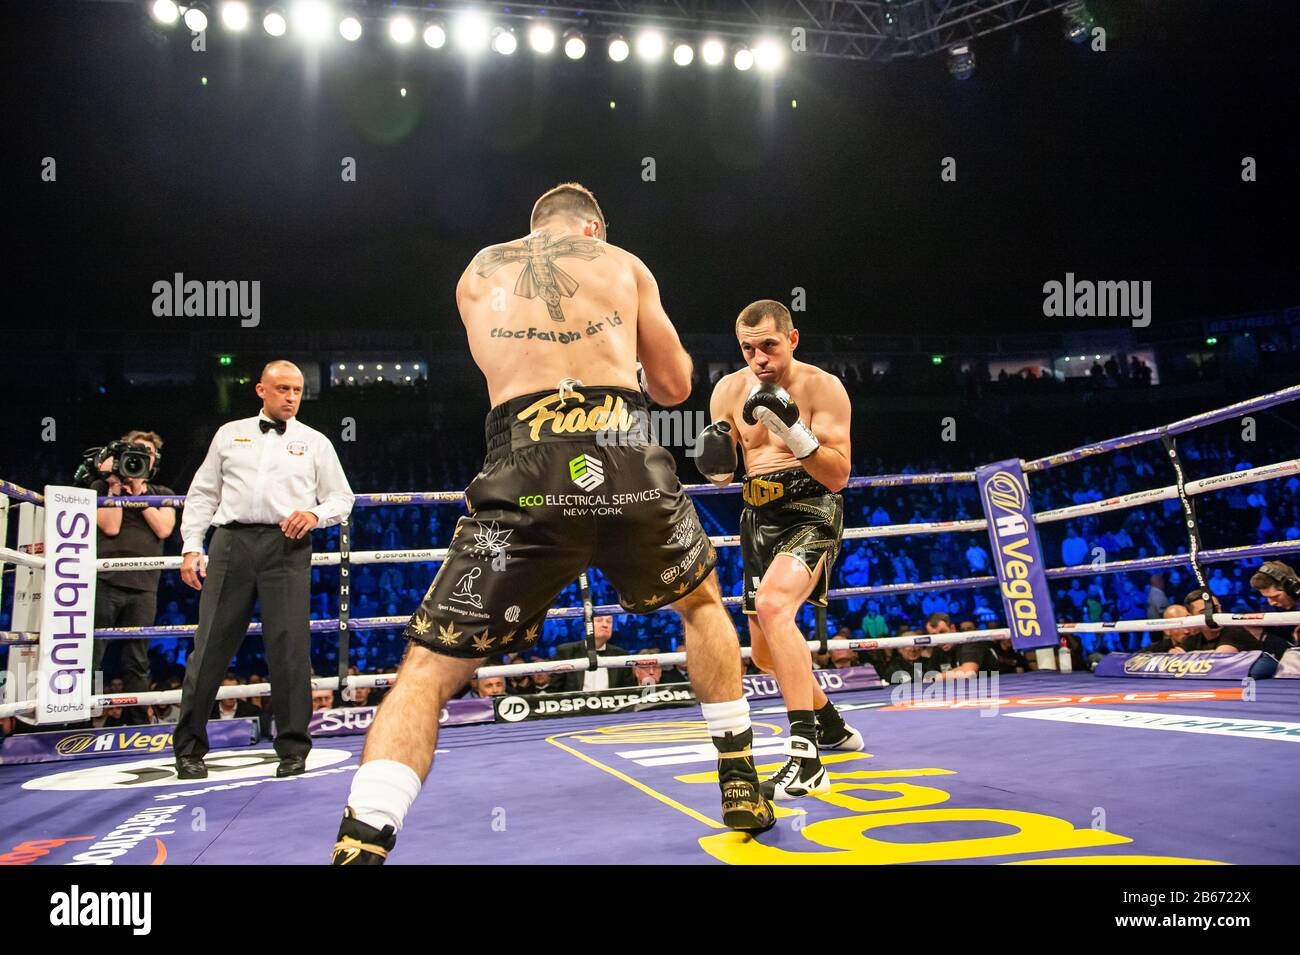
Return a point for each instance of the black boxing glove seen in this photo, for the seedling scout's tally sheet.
(772, 406)
(716, 453)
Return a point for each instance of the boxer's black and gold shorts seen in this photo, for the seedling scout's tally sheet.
(789, 512)
(569, 483)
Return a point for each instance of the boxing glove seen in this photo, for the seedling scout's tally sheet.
(771, 406)
(716, 454)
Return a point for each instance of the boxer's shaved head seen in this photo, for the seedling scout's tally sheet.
(754, 313)
(570, 200)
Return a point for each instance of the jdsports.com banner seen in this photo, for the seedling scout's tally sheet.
(1026, 597)
(546, 706)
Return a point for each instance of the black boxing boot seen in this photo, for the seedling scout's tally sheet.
(744, 807)
(360, 844)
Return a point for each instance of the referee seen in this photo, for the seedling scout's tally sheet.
(259, 486)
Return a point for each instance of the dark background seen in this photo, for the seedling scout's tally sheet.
(1115, 165)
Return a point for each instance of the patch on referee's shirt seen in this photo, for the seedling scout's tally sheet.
(297, 448)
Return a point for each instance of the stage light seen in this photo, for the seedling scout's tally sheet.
(401, 29)
(350, 29)
(713, 52)
(503, 41)
(768, 55)
(1077, 20)
(575, 47)
(961, 61)
(311, 19)
(471, 31)
(744, 59)
(1211, 341)
(541, 38)
(683, 54)
(938, 359)
(164, 11)
(650, 45)
(435, 36)
(274, 23)
(235, 16)
(617, 49)
(196, 19)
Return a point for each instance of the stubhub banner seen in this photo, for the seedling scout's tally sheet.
(1026, 597)
(1201, 665)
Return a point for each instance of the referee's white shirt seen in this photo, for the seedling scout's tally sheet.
(253, 478)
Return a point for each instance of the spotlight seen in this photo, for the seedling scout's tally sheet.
(401, 29)
(541, 38)
(350, 29)
(311, 19)
(961, 61)
(713, 52)
(235, 16)
(274, 23)
(617, 48)
(196, 19)
(435, 36)
(768, 54)
(744, 59)
(471, 31)
(164, 11)
(575, 47)
(503, 41)
(683, 54)
(650, 45)
(1077, 20)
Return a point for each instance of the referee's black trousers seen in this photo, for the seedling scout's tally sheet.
(248, 562)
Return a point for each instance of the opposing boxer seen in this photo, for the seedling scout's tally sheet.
(792, 420)
(541, 312)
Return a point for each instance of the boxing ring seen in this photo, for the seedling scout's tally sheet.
(1040, 768)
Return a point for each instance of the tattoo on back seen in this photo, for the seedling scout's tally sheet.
(541, 277)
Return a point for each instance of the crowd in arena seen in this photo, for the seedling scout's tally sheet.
(1252, 513)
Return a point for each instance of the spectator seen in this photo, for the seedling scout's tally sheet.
(488, 687)
(1010, 660)
(321, 700)
(599, 679)
(1074, 549)
(1276, 582)
(845, 658)
(1177, 639)
(1156, 599)
(648, 674)
(1221, 639)
(907, 664)
(873, 622)
(233, 709)
(164, 712)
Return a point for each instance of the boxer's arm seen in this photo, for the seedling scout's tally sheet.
(666, 363)
(830, 419)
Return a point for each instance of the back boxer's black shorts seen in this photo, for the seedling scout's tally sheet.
(569, 483)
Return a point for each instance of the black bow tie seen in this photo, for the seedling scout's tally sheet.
(266, 426)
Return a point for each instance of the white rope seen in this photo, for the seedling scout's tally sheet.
(376, 680)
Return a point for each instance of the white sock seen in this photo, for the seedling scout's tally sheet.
(382, 792)
(723, 718)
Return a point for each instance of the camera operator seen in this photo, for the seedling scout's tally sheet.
(1277, 583)
(130, 598)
